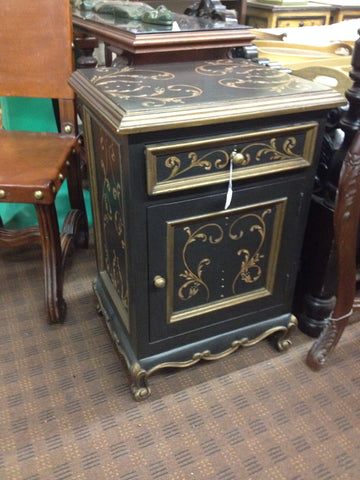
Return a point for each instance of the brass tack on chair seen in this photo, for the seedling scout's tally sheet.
(2, 193)
(68, 129)
(61, 177)
(39, 195)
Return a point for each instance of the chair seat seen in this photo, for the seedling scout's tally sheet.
(37, 60)
(33, 162)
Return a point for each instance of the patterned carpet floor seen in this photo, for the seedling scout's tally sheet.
(67, 412)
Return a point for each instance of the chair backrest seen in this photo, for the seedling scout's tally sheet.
(36, 57)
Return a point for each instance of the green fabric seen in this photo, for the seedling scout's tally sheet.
(28, 114)
(36, 115)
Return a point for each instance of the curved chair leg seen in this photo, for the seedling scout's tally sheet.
(76, 222)
(346, 222)
(52, 261)
(74, 233)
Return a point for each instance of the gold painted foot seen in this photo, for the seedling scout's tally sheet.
(139, 383)
(283, 342)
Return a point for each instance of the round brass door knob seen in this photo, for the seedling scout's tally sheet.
(159, 281)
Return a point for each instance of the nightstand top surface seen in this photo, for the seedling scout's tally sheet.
(148, 97)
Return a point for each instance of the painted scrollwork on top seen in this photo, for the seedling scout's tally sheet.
(151, 87)
(251, 77)
(215, 87)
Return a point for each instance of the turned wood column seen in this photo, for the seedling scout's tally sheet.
(84, 50)
(318, 279)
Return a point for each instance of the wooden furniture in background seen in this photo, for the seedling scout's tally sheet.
(34, 165)
(342, 9)
(329, 63)
(191, 38)
(179, 6)
(263, 15)
(239, 6)
(317, 277)
(85, 45)
(346, 223)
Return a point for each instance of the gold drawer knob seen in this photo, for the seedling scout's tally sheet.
(237, 158)
(159, 281)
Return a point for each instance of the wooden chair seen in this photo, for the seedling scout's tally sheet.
(346, 222)
(36, 61)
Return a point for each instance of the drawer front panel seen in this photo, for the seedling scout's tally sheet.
(192, 164)
(283, 22)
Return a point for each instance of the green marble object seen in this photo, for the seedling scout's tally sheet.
(129, 10)
(123, 8)
(159, 16)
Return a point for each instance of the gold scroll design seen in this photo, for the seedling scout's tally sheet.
(152, 88)
(249, 76)
(249, 271)
(112, 217)
(222, 157)
(205, 161)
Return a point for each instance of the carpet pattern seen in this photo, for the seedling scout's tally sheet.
(67, 412)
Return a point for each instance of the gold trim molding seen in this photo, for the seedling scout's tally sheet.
(139, 377)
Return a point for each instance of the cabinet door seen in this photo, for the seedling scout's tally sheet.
(213, 270)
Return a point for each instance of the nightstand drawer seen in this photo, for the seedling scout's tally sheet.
(192, 164)
(283, 22)
(271, 15)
